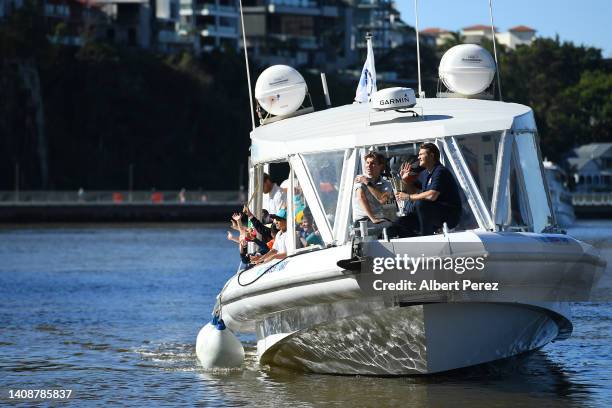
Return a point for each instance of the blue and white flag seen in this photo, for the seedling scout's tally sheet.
(367, 81)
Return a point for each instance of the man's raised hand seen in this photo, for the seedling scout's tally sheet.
(361, 179)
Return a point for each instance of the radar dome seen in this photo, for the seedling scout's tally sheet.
(393, 99)
(467, 69)
(280, 90)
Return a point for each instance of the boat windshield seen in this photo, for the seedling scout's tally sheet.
(323, 185)
(526, 202)
(326, 172)
(518, 207)
(480, 155)
(529, 165)
(306, 230)
(398, 154)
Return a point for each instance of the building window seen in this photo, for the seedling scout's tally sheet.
(297, 25)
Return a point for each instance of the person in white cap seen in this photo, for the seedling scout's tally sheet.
(279, 249)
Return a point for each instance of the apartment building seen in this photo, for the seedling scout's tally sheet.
(435, 36)
(69, 21)
(167, 24)
(515, 36)
(7, 6)
(382, 20)
(475, 33)
(326, 34)
(299, 32)
(210, 24)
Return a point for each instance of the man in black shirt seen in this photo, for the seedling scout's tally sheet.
(434, 196)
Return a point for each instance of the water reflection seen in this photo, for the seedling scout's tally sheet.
(528, 380)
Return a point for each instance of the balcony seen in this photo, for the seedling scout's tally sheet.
(301, 7)
(302, 42)
(219, 31)
(169, 36)
(208, 10)
(73, 40)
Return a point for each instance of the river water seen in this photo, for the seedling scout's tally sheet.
(112, 313)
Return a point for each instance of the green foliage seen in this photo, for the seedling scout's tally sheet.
(455, 39)
(107, 108)
(546, 76)
(585, 113)
(24, 35)
(402, 60)
(96, 52)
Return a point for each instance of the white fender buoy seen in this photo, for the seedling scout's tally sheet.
(218, 347)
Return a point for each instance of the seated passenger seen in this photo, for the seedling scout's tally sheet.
(371, 191)
(279, 249)
(433, 197)
(308, 234)
(273, 197)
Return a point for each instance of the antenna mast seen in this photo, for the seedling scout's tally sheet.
(416, 28)
(246, 62)
(495, 49)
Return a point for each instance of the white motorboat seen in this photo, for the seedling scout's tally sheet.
(315, 311)
(559, 195)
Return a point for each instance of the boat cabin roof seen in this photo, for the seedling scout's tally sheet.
(357, 125)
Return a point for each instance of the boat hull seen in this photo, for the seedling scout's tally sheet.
(418, 339)
(310, 314)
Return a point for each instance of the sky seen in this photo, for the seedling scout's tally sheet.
(587, 22)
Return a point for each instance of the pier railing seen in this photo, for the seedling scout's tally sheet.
(120, 197)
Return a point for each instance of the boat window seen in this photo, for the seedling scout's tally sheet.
(326, 171)
(306, 231)
(480, 154)
(531, 167)
(277, 174)
(467, 220)
(518, 214)
(301, 224)
(398, 154)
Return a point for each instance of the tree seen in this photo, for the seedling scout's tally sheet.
(24, 48)
(585, 110)
(455, 39)
(545, 76)
(403, 61)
